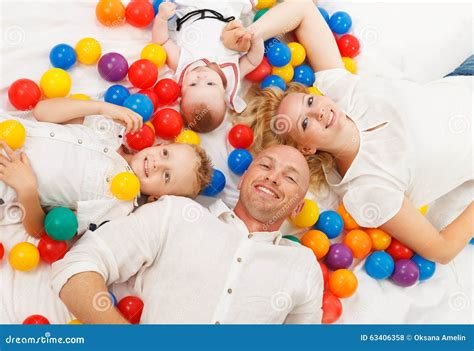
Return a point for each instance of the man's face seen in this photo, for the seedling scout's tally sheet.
(275, 184)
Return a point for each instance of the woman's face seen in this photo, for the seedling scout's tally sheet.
(313, 122)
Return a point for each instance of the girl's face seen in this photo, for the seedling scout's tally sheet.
(313, 122)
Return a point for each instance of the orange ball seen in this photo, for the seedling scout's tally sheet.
(349, 222)
(380, 239)
(359, 242)
(343, 283)
(110, 12)
(316, 241)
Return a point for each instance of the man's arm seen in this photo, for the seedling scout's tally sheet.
(160, 34)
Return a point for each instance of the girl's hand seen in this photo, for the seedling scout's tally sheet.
(132, 120)
(166, 10)
(236, 37)
(16, 172)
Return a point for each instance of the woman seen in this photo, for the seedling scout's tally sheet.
(386, 147)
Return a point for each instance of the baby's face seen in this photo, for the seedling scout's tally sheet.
(166, 170)
(202, 78)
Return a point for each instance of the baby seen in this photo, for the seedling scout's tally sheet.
(209, 74)
(73, 165)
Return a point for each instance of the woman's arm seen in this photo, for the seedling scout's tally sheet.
(160, 34)
(411, 228)
(252, 59)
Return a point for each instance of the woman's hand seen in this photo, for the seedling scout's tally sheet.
(132, 120)
(16, 172)
(166, 10)
(236, 37)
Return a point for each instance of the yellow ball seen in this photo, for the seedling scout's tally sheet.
(350, 64)
(125, 186)
(285, 72)
(13, 133)
(298, 53)
(265, 4)
(88, 51)
(423, 209)
(149, 124)
(55, 82)
(24, 256)
(79, 97)
(308, 216)
(314, 91)
(187, 136)
(74, 321)
(155, 53)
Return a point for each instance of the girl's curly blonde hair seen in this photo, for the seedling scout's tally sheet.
(261, 115)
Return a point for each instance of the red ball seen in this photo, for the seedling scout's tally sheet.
(168, 91)
(51, 250)
(131, 308)
(168, 123)
(139, 13)
(240, 136)
(348, 45)
(398, 251)
(24, 94)
(143, 74)
(143, 138)
(332, 308)
(2, 251)
(324, 270)
(36, 319)
(263, 70)
(152, 95)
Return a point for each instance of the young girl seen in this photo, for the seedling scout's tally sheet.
(386, 147)
(73, 165)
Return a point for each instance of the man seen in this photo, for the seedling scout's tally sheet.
(195, 265)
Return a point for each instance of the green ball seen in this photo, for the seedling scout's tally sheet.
(259, 14)
(292, 238)
(61, 224)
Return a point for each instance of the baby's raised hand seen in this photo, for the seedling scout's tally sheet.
(236, 37)
(131, 120)
(16, 171)
(166, 10)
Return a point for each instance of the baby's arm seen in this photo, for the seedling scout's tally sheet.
(253, 58)
(160, 34)
(65, 110)
(17, 173)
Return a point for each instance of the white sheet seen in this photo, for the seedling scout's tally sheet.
(421, 41)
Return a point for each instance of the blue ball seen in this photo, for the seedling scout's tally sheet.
(270, 43)
(472, 241)
(304, 75)
(324, 13)
(239, 160)
(216, 185)
(116, 94)
(427, 268)
(156, 5)
(114, 299)
(273, 81)
(379, 265)
(279, 54)
(140, 104)
(340, 22)
(330, 223)
(62, 56)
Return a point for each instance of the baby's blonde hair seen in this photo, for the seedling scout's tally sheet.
(262, 108)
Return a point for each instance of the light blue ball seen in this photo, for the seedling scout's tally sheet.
(273, 81)
(62, 56)
(239, 160)
(427, 268)
(140, 104)
(304, 75)
(379, 265)
(216, 185)
(330, 223)
(116, 94)
(340, 22)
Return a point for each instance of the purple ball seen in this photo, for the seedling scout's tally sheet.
(113, 67)
(339, 256)
(406, 273)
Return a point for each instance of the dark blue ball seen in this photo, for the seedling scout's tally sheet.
(273, 81)
(340, 22)
(330, 223)
(379, 265)
(304, 75)
(427, 268)
(140, 104)
(216, 185)
(116, 94)
(269, 43)
(239, 160)
(114, 299)
(324, 13)
(62, 56)
(279, 55)
(472, 241)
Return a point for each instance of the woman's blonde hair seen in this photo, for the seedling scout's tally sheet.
(261, 115)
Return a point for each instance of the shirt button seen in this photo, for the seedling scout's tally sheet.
(229, 291)
(239, 259)
(79, 141)
(107, 179)
(51, 135)
(106, 150)
(232, 216)
(250, 236)
(217, 322)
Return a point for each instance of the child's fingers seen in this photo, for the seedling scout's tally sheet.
(4, 161)
(233, 25)
(24, 158)
(8, 150)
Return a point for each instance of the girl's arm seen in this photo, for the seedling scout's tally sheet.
(17, 173)
(65, 110)
(253, 58)
(160, 34)
(411, 228)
